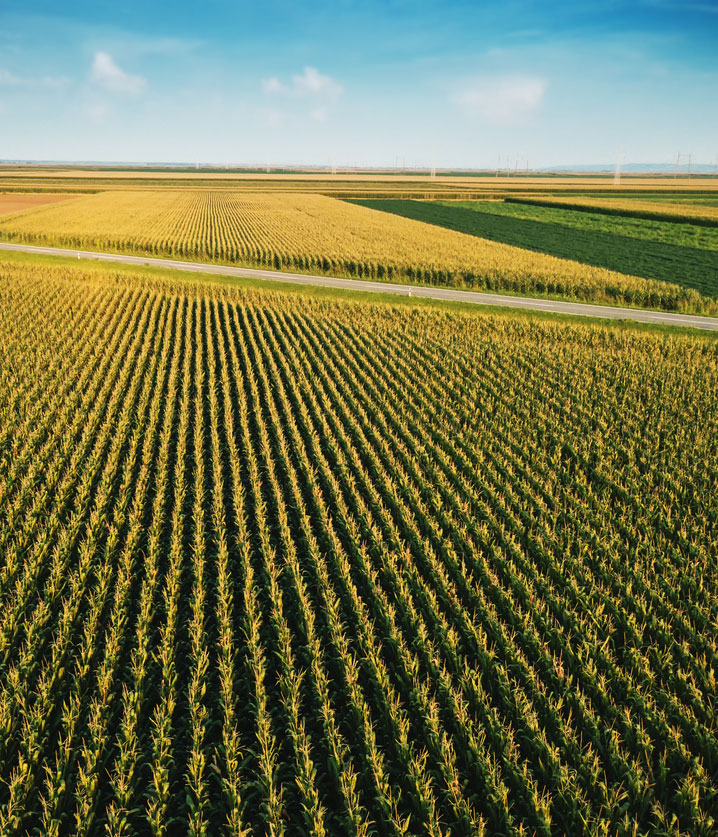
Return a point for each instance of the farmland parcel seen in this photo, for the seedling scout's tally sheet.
(251, 581)
(316, 233)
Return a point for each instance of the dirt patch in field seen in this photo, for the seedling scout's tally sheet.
(17, 202)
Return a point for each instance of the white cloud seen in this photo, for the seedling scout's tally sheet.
(272, 85)
(504, 99)
(107, 74)
(8, 79)
(315, 90)
(312, 83)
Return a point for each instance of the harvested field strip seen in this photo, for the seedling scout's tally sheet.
(18, 202)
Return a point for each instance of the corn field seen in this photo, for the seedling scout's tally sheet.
(656, 209)
(275, 565)
(319, 234)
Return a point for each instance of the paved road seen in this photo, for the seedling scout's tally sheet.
(427, 291)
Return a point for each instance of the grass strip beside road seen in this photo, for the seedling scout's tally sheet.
(154, 273)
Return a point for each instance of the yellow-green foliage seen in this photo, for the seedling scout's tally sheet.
(322, 234)
(643, 207)
(278, 564)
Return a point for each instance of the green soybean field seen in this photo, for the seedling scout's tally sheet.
(280, 564)
(680, 254)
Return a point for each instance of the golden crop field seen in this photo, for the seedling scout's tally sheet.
(506, 179)
(315, 233)
(366, 183)
(633, 206)
(281, 565)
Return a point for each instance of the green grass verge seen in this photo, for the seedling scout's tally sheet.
(343, 295)
(700, 305)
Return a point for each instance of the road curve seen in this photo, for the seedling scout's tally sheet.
(580, 309)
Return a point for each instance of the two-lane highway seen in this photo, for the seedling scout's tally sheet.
(580, 309)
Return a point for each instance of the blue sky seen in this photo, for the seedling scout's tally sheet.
(360, 82)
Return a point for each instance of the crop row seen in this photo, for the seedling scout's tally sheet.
(308, 567)
(679, 213)
(683, 235)
(314, 233)
(671, 263)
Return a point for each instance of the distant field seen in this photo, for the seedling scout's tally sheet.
(682, 235)
(698, 198)
(17, 202)
(693, 213)
(274, 564)
(687, 266)
(702, 200)
(399, 183)
(317, 233)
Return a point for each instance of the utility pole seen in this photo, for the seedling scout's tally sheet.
(689, 164)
